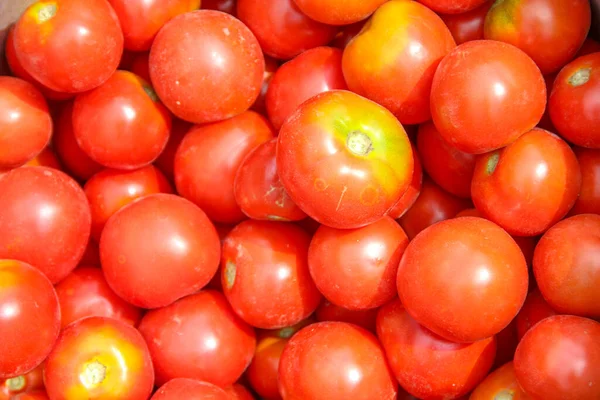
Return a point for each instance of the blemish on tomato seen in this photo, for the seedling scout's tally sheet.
(230, 273)
(320, 184)
(492, 163)
(368, 196)
(93, 374)
(45, 11)
(580, 77)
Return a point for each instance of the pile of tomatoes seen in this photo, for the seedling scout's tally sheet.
(300, 200)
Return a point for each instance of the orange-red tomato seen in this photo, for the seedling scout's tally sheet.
(28, 382)
(467, 26)
(182, 388)
(408, 199)
(588, 201)
(338, 12)
(533, 311)
(500, 384)
(328, 311)
(452, 6)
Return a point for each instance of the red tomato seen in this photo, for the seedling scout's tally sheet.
(529, 185)
(500, 384)
(494, 75)
(229, 61)
(218, 344)
(356, 269)
(338, 12)
(29, 318)
(467, 26)
(588, 201)
(69, 45)
(452, 6)
(166, 160)
(533, 311)
(31, 381)
(330, 312)
(589, 46)
(408, 199)
(426, 365)
(258, 191)
(153, 235)
(453, 278)
(226, 6)
(45, 220)
(559, 359)
(99, 358)
(47, 158)
(237, 392)
(182, 388)
(343, 159)
(577, 90)
(312, 72)
(393, 59)
(335, 361)
(271, 66)
(140, 65)
(551, 37)
(209, 157)
(25, 122)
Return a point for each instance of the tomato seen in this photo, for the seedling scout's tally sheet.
(334, 361)
(328, 311)
(494, 75)
(155, 234)
(271, 66)
(426, 365)
(533, 311)
(99, 358)
(408, 199)
(577, 90)
(452, 6)
(45, 220)
(559, 358)
(453, 278)
(258, 190)
(25, 122)
(551, 38)
(166, 161)
(142, 19)
(312, 72)
(110, 190)
(182, 388)
(589, 46)
(500, 384)
(47, 158)
(226, 6)
(344, 160)
(35, 395)
(238, 392)
(228, 143)
(338, 12)
(393, 59)
(529, 185)
(588, 201)
(282, 30)
(29, 318)
(218, 344)
(467, 26)
(69, 45)
(31, 381)
(229, 61)
(356, 269)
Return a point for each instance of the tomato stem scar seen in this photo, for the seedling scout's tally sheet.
(46, 12)
(359, 143)
(15, 384)
(286, 333)
(580, 77)
(492, 163)
(230, 272)
(93, 374)
(504, 395)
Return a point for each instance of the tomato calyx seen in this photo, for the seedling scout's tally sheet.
(93, 374)
(16, 384)
(150, 92)
(580, 77)
(230, 272)
(45, 11)
(492, 163)
(359, 143)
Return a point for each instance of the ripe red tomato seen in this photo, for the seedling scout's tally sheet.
(393, 59)
(588, 201)
(551, 38)
(500, 384)
(209, 157)
(452, 6)
(577, 89)
(356, 269)
(559, 359)
(226, 6)
(426, 365)
(69, 45)
(99, 358)
(467, 26)
(335, 361)
(533, 311)
(229, 61)
(271, 65)
(338, 12)
(343, 159)
(328, 311)
(155, 234)
(183, 388)
(166, 160)
(486, 73)
(218, 344)
(28, 382)
(529, 185)
(29, 318)
(453, 278)
(408, 199)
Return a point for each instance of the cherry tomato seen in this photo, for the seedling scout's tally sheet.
(166, 160)
(140, 65)
(229, 61)
(408, 199)
(183, 388)
(99, 358)
(467, 26)
(338, 12)
(589, 46)
(226, 6)
(486, 73)
(588, 201)
(47, 158)
(452, 6)
(393, 59)
(533, 311)
(69, 45)
(218, 344)
(328, 311)
(271, 66)
(500, 384)
(31, 381)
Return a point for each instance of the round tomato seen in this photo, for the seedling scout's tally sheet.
(500, 384)
(166, 161)
(328, 311)
(588, 201)
(467, 26)
(29, 382)
(408, 199)
(183, 388)
(533, 311)
(338, 12)
(452, 6)
(271, 66)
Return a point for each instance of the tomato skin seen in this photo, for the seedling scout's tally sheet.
(588, 201)
(90, 27)
(452, 6)
(219, 345)
(28, 382)
(238, 392)
(392, 61)
(501, 382)
(408, 199)
(551, 38)
(36, 395)
(529, 185)
(559, 358)
(467, 26)
(328, 311)
(533, 311)
(487, 72)
(338, 12)
(183, 388)
(426, 365)
(356, 269)
(464, 298)
(343, 159)
(166, 161)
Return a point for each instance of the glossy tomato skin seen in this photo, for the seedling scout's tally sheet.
(426, 365)
(464, 297)
(588, 201)
(551, 38)
(452, 6)
(467, 26)
(218, 344)
(334, 361)
(393, 59)
(408, 199)
(533, 311)
(529, 185)
(58, 42)
(183, 388)
(166, 161)
(502, 383)
(496, 74)
(230, 60)
(28, 382)
(559, 358)
(344, 160)
(356, 269)
(99, 358)
(336, 12)
(209, 157)
(576, 90)
(155, 234)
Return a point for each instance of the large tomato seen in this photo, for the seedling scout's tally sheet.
(533, 311)
(589, 196)
(500, 384)
(467, 26)
(338, 12)
(183, 388)
(452, 6)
